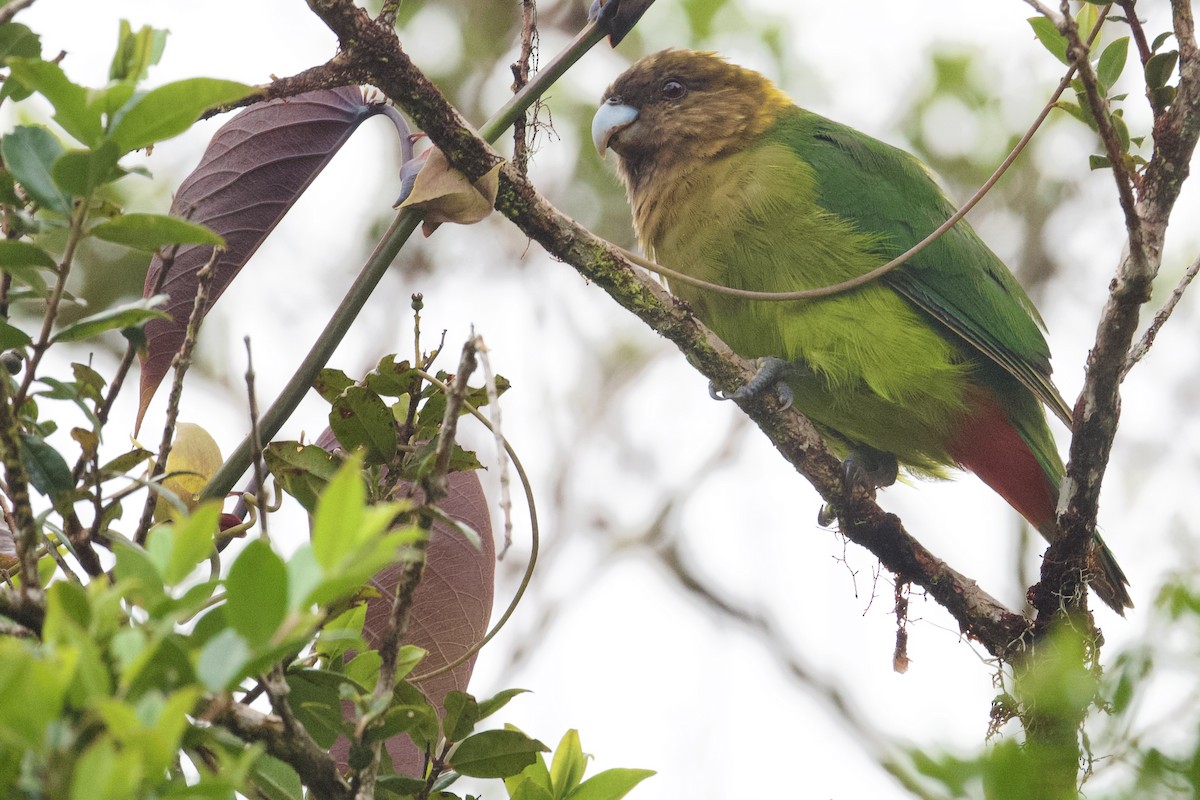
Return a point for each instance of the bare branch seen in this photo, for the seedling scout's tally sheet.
(1097, 410)
(1139, 350)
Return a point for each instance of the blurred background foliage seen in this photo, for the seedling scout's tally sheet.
(681, 554)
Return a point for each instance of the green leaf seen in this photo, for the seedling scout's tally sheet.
(136, 52)
(531, 783)
(222, 660)
(257, 593)
(304, 576)
(1086, 19)
(331, 382)
(1047, 33)
(23, 675)
(527, 789)
(17, 40)
(128, 315)
(17, 256)
(339, 516)
(1162, 97)
(1160, 40)
(400, 785)
(342, 633)
(79, 172)
(360, 418)
(1112, 62)
(29, 154)
(462, 713)
(103, 771)
(568, 765)
(497, 702)
(192, 541)
(135, 566)
(171, 109)
(48, 471)
(496, 754)
(1159, 68)
(275, 779)
(153, 231)
(70, 101)
(365, 563)
(1098, 162)
(391, 379)
(611, 784)
(11, 337)
(1122, 131)
(302, 470)
(313, 697)
(418, 721)
(407, 659)
(363, 669)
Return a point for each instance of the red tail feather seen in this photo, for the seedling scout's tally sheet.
(987, 444)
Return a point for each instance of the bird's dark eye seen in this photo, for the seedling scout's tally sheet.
(673, 89)
(614, 100)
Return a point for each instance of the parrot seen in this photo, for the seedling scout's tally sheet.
(939, 364)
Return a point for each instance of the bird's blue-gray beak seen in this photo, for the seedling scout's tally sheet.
(612, 118)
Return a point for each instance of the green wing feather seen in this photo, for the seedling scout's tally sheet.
(957, 279)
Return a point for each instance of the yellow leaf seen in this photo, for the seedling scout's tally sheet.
(195, 457)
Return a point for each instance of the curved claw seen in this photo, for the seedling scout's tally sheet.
(772, 373)
(870, 469)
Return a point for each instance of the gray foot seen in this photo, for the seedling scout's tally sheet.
(772, 373)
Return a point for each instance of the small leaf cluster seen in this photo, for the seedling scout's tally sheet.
(57, 192)
(564, 778)
(1108, 65)
(392, 417)
(51, 181)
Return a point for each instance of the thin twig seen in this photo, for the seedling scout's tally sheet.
(53, 302)
(1045, 11)
(11, 8)
(260, 473)
(181, 362)
(505, 503)
(525, 127)
(435, 484)
(1135, 28)
(1139, 350)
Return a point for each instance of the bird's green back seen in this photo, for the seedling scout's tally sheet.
(957, 279)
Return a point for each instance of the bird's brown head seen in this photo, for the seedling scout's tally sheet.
(679, 107)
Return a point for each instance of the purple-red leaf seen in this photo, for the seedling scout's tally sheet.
(451, 606)
(254, 169)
